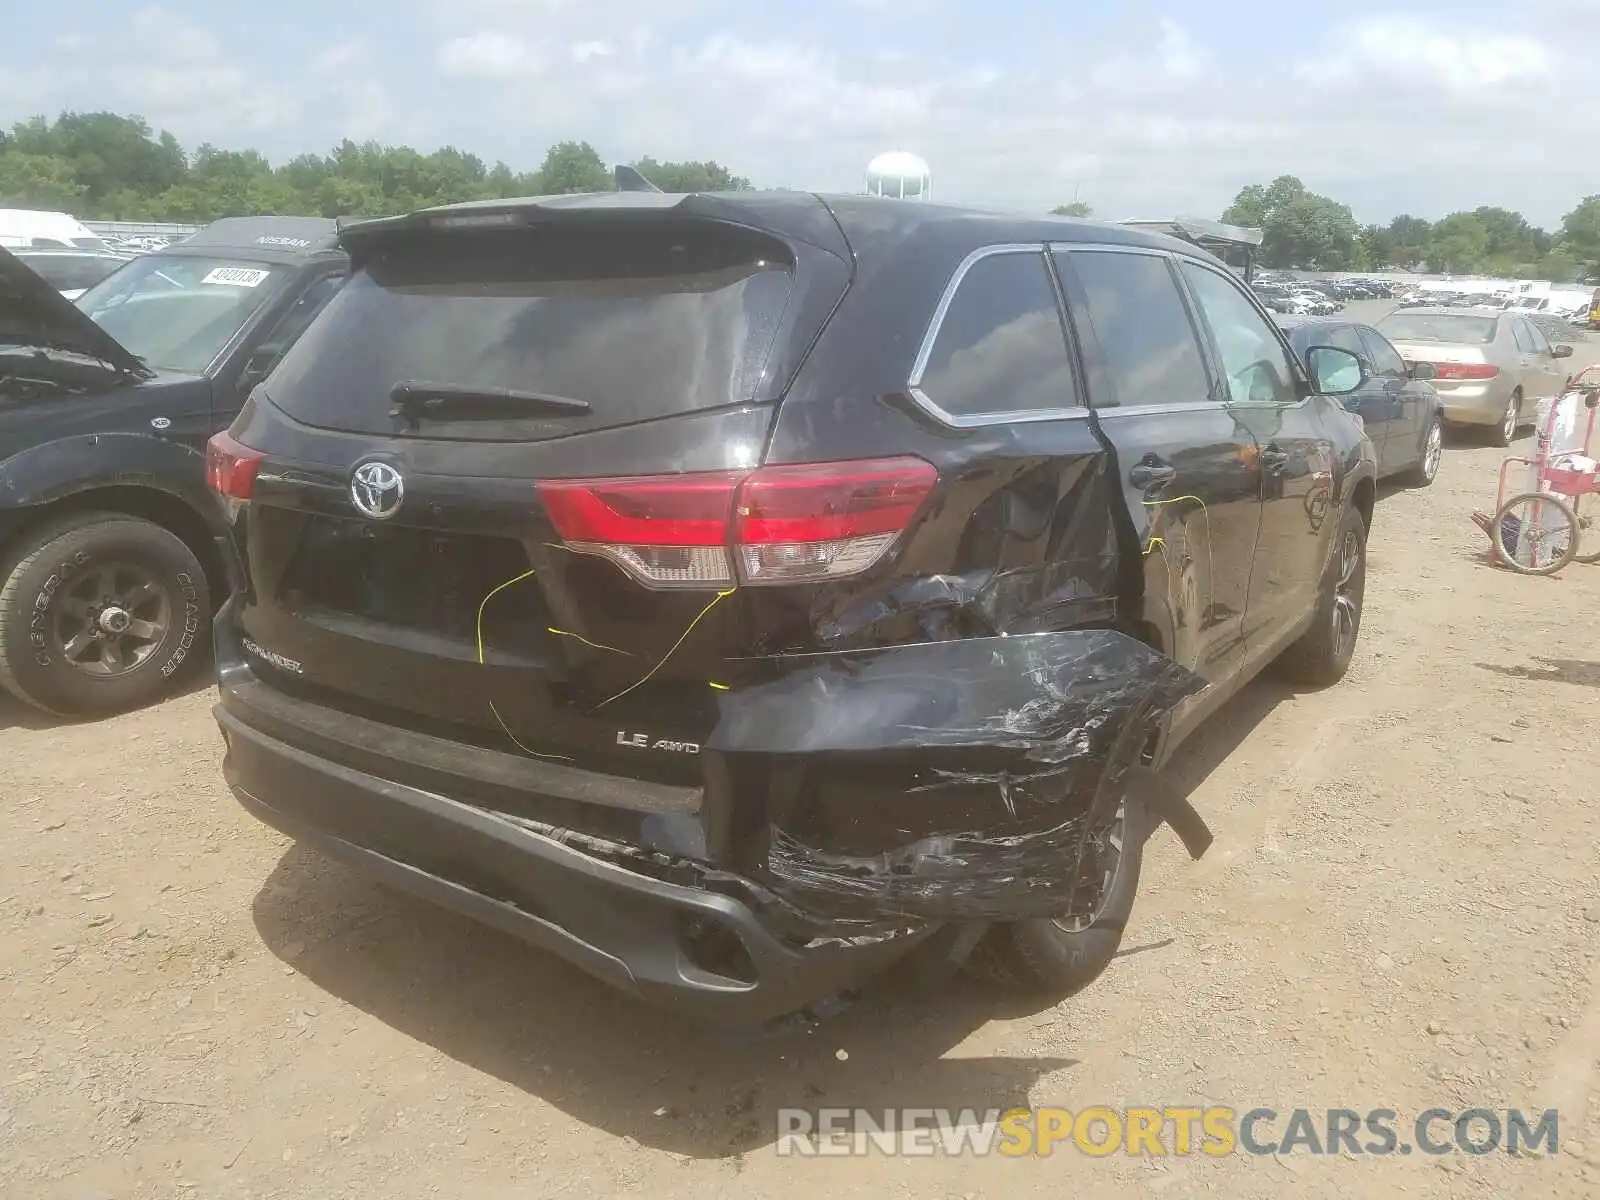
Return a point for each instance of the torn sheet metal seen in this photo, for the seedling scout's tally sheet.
(956, 780)
(1051, 696)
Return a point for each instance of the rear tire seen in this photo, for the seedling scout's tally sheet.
(1427, 468)
(1505, 432)
(1324, 652)
(1045, 956)
(98, 613)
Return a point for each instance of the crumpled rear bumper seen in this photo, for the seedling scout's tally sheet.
(947, 780)
(852, 806)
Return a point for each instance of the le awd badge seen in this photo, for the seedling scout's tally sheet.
(643, 741)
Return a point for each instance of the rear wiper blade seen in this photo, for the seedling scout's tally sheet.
(416, 400)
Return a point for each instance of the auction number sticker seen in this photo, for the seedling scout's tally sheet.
(235, 276)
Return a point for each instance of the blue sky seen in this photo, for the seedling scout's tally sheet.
(1138, 108)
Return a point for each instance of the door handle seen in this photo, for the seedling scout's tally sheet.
(1274, 458)
(1148, 476)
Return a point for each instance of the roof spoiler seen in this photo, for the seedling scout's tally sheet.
(630, 179)
(1243, 241)
(1201, 231)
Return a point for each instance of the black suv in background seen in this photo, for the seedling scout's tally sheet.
(108, 554)
(738, 593)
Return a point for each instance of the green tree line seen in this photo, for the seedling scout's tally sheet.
(1305, 229)
(102, 165)
(114, 167)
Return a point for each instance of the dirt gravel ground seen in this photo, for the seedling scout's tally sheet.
(1402, 910)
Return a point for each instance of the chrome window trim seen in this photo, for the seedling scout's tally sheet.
(931, 335)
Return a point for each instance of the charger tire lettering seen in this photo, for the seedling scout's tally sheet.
(37, 623)
(191, 623)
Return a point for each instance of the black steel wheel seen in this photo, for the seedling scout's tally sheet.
(98, 613)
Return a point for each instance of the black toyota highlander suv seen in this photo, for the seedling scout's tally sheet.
(736, 594)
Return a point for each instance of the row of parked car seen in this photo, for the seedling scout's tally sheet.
(635, 574)
(1317, 297)
(66, 252)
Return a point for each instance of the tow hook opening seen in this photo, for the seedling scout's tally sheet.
(714, 949)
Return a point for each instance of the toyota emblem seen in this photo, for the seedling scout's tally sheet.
(377, 489)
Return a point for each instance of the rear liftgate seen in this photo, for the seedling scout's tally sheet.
(943, 782)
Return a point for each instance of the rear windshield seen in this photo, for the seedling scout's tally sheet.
(1438, 327)
(636, 323)
(72, 272)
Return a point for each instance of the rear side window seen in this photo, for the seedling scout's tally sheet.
(1148, 342)
(1256, 364)
(1524, 338)
(999, 350)
(1386, 360)
(637, 323)
(1344, 337)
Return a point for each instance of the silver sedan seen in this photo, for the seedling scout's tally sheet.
(1491, 367)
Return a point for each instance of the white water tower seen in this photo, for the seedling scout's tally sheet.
(900, 176)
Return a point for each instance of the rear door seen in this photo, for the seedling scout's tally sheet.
(1530, 372)
(1296, 454)
(1187, 464)
(1405, 398)
(1378, 407)
(1549, 371)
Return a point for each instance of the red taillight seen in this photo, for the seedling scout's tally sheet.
(647, 510)
(231, 467)
(825, 520)
(1465, 371)
(782, 524)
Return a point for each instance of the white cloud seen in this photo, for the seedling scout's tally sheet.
(181, 75)
(1160, 114)
(343, 56)
(1180, 57)
(489, 55)
(1463, 60)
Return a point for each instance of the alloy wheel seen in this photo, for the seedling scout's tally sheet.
(1433, 452)
(1105, 851)
(1347, 591)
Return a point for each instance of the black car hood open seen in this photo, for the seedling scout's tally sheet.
(32, 313)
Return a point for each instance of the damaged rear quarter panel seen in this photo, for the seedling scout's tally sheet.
(945, 780)
(926, 742)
